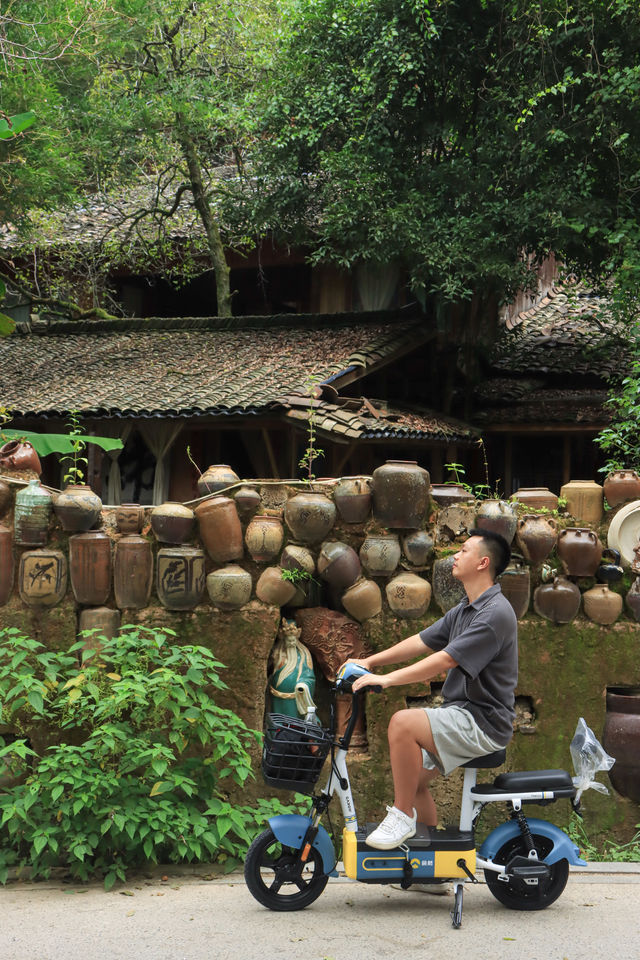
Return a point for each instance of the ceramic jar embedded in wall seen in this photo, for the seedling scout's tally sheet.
(6, 563)
(450, 494)
(172, 522)
(271, 588)
(621, 739)
(104, 621)
(264, 537)
(352, 497)
(536, 536)
(417, 547)
(498, 516)
(580, 551)
(621, 486)
(601, 604)
(247, 501)
(309, 516)
(132, 572)
(77, 507)
(362, 600)
(400, 494)
(219, 476)
(19, 455)
(584, 500)
(90, 567)
(380, 554)
(180, 577)
(229, 588)
(5, 496)
(515, 584)
(129, 517)
(536, 498)
(408, 595)
(295, 557)
(558, 601)
(42, 577)
(32, 513)
(447, 591)
(220, 529)
(338, 564)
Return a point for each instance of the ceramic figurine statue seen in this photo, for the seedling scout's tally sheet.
(292, 682)
(635, 564)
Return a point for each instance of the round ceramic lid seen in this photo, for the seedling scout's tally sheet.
(624, 531)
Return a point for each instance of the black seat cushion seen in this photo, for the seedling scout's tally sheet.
(532, 780)
(488, 760)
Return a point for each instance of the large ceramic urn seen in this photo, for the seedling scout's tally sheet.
(380, 554)
(102, 621)
(338, 564)
(580, 551)
(220, 529)
(6, 563)
(417, 547)
(217, 477)
(5, 497)
(515, 584)
(621, 486)
(536, 536)
(621, 739)
(77, 507)
(352, 497)
(229, 587)
(447, 591)
(31, 515)
(601, 604)
(90, 567)
(180, 577)
(264, 537)
(132, 572)
(172, 522)
(584, 500)
(42, 577)
(309, 516)
(558, 601)
(400, 494)
(363, 599)
(498, 516)
(536, 498)
(129, 517)
(408, 595)
(19, 455)
(273, 588)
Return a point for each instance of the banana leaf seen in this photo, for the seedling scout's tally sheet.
(45, 443)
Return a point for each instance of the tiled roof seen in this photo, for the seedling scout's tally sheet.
(539, 406)
(191, 367)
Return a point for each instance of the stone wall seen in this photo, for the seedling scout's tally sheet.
(564, 667)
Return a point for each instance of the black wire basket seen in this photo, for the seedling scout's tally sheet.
(294, 752)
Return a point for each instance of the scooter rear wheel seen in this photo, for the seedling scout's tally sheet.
(518, 895)
(272, 874)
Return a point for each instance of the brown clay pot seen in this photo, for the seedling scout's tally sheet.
(558, 601)
(180, 577)
(362, 600)
(247, 501)
(447, 591)
(450, 494)
(264, 537)
(132, 572)
(90, 567)
(400, 494)
(216, 477)
(295, 557)
(580, 551)
(408, 595)
(352, 497)
(536, 536)
(498, 516)
(417, 547)
(129, 517)
(104, 620)
(229, 588)
(621, 739)
(42, 577)
(271, 588)
(6, 564)
(584, 500)
(220, 529)
(77, 507)
(621, 486)
(31, 515)
(601, 604)
(172, 522)
(338, 564)
(5, 496)
(380, 554)
(515, 584)
(309, 516)
(19, 455)
(538, 498)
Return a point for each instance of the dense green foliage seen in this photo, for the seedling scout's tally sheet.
(118, 757)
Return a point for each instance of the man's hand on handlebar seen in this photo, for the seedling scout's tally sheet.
(379, 681)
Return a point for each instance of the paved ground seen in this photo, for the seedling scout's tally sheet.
(189, 917)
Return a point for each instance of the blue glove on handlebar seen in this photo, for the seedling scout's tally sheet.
(350, 672)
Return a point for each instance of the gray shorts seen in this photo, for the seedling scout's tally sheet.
(457, 737)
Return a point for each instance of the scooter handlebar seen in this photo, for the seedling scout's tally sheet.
(350, 672)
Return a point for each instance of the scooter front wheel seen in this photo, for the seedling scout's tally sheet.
(276, 878)
(518, 895)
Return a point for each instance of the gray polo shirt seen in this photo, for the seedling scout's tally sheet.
(482, 637)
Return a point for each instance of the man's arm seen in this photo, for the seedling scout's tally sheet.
(425, 669)
(407, 649)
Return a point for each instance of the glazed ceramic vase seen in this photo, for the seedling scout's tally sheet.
(172, 522)
(621, 486)
(601, 604)
(90, 567)
(247, 501)
(380, 554)
(77, 507)
(229, 588)
(408, 595)
(362, 600)
(129, 517)
(515, 584)
(271, 588)
(558, 601)
(400, 494)
(295, 557)
(417, 548)
(352, 496)
(216, 477)
(264, 537)
(19, 455)
(309, 516)
(536, 536)
(447, 591)
(132, 572)
(220, 529)
(584, 500)
(450, 494)
(5, 496)
(42, 577)
(338, 564)
(498, 516)
(538, 498)
(31, 515)
(621, 739)
(104, 620)
(180, 577)
(580, 551)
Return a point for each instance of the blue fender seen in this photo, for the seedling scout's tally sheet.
(563, 848)
(290, 828)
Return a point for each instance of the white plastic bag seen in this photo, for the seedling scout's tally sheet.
(589, 756)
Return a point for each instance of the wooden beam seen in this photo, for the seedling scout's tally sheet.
(269, 448)
(516, 428)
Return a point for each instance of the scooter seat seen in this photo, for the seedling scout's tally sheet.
(532, 780)
(495, 759)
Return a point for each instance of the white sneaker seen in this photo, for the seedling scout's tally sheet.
(394, 830)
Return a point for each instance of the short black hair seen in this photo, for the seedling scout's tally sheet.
(498, 550)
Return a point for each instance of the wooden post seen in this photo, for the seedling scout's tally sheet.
(269, 448)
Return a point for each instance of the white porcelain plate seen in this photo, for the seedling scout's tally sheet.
(624, 531)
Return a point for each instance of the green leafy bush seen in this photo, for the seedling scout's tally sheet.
(118, 756)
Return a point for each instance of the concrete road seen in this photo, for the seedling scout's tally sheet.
(192, 916)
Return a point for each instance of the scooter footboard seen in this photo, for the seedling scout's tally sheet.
(563, 848)
(290, 830)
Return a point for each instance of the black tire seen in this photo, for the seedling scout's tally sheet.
(518, 895)
(273, 877)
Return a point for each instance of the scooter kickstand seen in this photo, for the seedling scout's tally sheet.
(456, 913)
